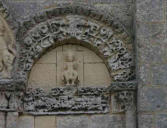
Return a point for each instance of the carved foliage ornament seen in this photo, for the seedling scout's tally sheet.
(66, 100)
(125, 99)
(50, 28)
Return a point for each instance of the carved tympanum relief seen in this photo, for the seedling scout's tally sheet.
(70, 74)
(49, 70)
(7, 49)
(75, 65)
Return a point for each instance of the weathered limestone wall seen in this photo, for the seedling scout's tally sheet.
(121, 9)
(151, 48)
(98, 121)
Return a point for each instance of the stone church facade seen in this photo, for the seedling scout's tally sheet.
(83, 64)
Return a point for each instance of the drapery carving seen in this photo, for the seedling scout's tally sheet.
(7, 49)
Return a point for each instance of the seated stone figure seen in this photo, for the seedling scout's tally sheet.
(70, 74)
(7, 50)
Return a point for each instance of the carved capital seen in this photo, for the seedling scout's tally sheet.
(123, 95)
(11, 101)
(125, 99)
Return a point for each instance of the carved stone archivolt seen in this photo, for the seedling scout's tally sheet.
(97, 31)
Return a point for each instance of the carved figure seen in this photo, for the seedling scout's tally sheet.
(7, 49)
(70, 74)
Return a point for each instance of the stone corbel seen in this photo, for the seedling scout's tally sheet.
(123, 95)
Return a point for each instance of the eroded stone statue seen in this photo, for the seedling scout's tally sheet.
(70, 74)
(7, 49)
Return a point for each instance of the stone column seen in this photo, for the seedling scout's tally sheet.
(130, 116)
(2, 120)
(126, 101)
(11, 119)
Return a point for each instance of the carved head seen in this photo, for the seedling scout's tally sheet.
(69, 57)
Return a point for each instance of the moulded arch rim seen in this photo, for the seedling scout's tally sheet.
(73, 9)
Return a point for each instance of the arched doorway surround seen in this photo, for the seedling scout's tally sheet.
(93, 29)
(86, 26)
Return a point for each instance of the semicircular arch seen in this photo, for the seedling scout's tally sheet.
(86, 24)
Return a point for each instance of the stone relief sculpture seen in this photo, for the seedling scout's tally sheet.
(70, 74)
(7, 49)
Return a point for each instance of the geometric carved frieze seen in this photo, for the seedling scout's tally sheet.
(66, 100)
(95, 30)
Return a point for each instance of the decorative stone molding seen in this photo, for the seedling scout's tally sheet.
(68, 100)
(12, 85)
(88, 26)
(121, 86)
